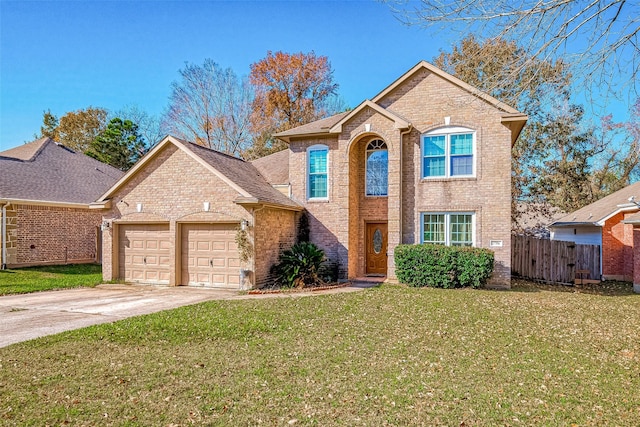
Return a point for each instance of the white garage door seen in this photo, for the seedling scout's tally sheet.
(144, 253)
(210, 256)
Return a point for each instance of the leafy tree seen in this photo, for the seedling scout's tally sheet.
(617, 167)
(210, 105)
(564, 171)
(49, 128)
(119, 145)
(290, 90)
(601, 37)
(505, 71)
(78, 128)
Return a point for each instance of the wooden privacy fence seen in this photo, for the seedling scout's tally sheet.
(553, 260)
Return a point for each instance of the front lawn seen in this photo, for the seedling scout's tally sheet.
(33, 279)
(385, 356)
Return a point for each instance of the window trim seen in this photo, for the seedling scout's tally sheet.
(366, 167)
(447, 132)
(317, 147)
(447, 223)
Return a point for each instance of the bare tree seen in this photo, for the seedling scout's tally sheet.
(211, 106)
(149, 127)
(599, 37)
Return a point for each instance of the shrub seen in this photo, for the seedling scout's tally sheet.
(298, 266)
(443, 266)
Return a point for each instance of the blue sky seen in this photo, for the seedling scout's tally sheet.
(68, 55)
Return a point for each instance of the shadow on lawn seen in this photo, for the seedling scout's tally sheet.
(607, 288)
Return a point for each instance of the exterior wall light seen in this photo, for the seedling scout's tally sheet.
(244, 224)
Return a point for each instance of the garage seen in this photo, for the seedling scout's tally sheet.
(210, 255)
(144, 253)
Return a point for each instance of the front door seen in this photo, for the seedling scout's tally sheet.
(376, 243)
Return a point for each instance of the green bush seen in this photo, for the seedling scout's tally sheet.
(443, 266)
(298, 267)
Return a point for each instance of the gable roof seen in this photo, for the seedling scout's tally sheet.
(240, 175)
(511, 117)
(598, 212)
(399, 122)
(274, 167)
(44, 171)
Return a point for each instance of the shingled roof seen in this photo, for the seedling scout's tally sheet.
(511, 118)
(598, 212)
(274, 167)
(45, 171)
(239, 174)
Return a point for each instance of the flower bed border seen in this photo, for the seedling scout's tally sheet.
(297, 290)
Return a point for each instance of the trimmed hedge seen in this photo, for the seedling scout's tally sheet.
(441, 266)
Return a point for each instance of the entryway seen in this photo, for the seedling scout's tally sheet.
(376, 248)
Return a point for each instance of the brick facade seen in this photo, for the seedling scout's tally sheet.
(617, 248)
(39, 235)
(172, 189)
(425, 99)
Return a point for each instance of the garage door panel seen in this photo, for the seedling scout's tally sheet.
(144, 253)
(209, 255)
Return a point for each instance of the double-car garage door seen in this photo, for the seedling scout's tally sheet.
(207, 253)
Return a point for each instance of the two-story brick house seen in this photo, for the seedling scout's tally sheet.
(428, 159)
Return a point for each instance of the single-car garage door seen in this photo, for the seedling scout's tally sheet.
(144, 253)
(210, 255)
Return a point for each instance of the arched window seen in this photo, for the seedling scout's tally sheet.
(377, 168)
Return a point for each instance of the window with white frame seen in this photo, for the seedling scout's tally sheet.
(377, 168)
(317, 172)
(448, 228)
(448, 152)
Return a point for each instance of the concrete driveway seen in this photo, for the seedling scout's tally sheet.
(27, 316)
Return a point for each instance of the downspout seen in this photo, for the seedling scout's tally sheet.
(3, 227)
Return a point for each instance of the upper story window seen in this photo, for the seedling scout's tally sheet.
(448, 152)
(318, 172)
(377, 168)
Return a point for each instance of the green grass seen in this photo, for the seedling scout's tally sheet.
(34, 279)
(386, 356)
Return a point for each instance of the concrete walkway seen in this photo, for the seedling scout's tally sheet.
(28, 316)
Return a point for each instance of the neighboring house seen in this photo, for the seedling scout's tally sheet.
(428, 159)
(608, 222)
(45, 193)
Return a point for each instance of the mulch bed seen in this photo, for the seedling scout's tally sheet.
(295, 290)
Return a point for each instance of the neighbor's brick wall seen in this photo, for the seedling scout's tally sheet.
(51, 235)
(636, 260)
(617, 248)
(275, 230)
(424, 100)
(172, 188)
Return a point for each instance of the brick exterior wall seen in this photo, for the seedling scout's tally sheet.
(275, 230)
(636, 261)
(40, 235)
(172, 188)
(617, 248)
(425, 100)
